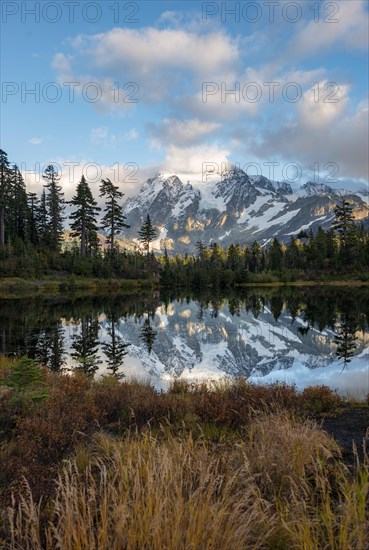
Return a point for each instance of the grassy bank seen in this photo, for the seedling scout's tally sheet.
(18, 287)
(107, 464)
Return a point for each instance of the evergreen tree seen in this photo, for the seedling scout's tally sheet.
(4, 182)
(55, 207)
(114, 220)
(42, 220)
(332, 246)
(32, 222)
(147, 234)
(344, 225)
(321, 248)
(292, 254)
(233, 257)
(200, 247)
(17, 205)
(255, 257)
(166, 257)
(84, 224)
(275, 256)
(216, 254)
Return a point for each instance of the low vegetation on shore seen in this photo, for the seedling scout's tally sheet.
(49, 286)
(115, 464)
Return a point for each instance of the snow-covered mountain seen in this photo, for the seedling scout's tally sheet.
(239, 208)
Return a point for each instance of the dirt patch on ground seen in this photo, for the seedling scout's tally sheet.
(349, 426)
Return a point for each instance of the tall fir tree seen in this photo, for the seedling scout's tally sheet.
(55, 207)
(344, 225)
(17, 205)
(4, 183)
(275, 256)
(114, 220)
(42, 220)
(32, 211)
(200, 248)
(255, 257)
(146, 234)
(84, 224)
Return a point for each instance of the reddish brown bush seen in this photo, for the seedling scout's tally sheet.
(50, 430)
(319, 399)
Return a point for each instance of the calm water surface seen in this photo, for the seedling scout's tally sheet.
(298, 335)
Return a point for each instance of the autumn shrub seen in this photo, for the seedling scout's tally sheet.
(49, 431)
(234, 403)
(319, 399)
(125, 404)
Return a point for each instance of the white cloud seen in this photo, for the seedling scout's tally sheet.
(173, 18)
(103, 93)
(157, 63)
(35, 141)
(99, 135)
(131, 135)
(63, 65)
(102, 136)
(323, 104)
(342, 140)
(189, 161)
(249, 93)
(173, 131)
(150, 49)
(349, 31)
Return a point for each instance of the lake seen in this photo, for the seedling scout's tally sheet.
(306, 336)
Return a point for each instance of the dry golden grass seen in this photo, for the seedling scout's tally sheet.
(116, 465)
(282, 485)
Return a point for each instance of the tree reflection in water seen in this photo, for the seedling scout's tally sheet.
(37, 326)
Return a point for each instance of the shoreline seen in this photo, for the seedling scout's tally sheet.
(19, 287)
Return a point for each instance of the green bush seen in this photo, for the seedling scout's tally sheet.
(25, 377)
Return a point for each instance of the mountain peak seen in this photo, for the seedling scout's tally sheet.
(313, 188)
(234, 173)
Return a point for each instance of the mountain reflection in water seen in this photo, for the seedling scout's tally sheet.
(298, 335)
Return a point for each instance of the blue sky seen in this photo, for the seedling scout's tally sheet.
(175, 59)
